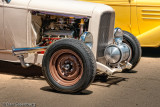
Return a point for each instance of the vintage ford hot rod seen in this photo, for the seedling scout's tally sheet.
(69, 39)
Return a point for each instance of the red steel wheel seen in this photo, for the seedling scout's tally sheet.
(66, 67)
(69, 66)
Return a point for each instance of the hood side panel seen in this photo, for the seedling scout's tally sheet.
(61, 6)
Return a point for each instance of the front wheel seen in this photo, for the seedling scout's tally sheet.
(69, 66)
(134, 44)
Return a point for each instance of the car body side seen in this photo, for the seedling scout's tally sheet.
(16, 24)
(140, 17)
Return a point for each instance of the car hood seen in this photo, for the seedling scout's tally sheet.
(63, 6)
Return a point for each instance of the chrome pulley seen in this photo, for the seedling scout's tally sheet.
(117, 53)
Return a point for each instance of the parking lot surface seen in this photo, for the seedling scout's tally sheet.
(138, 88)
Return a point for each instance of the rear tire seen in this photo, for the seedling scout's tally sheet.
(134, 44)
(69, 66)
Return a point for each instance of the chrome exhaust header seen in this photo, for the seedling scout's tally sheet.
(21, 51)
(23, 63)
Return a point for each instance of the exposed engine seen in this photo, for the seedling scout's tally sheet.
(57, 26)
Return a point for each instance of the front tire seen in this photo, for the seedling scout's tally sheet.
(69, 66)
(136, 51)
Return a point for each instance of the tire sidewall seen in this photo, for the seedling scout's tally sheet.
(86, 66)
(135, 47)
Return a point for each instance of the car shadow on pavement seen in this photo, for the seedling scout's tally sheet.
(129, 72)
(105, 81)
(34, 72)
(100, 80)
(151, 52)
(49, 89)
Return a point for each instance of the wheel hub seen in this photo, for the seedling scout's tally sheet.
(67, 67)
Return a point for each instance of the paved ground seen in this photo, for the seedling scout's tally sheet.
(139, 88)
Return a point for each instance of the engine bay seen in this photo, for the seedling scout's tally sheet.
(50, 27)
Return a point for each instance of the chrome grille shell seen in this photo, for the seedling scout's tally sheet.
(106, 30)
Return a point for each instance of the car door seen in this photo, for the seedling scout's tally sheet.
(148, 12)
(2, 41)
(15, 23)
(122, 12)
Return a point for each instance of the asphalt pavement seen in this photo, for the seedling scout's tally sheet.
(21, 87)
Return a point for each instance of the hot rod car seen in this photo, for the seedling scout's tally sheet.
(140, 17)
(69, 39)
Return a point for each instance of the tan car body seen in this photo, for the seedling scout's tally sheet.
(69, 39)
(18, 30)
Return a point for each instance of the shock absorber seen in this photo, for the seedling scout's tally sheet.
(81, 26)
